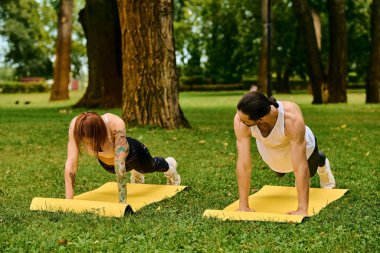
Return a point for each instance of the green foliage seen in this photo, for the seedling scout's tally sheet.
(216, 38)
(29, 41)
(30, 28)
(221, 43)
(33, 152)
(78, 43)
(19, 87)
(220, 39)
(6, 73)
(287, 46)
(358, 36)
(192, 80)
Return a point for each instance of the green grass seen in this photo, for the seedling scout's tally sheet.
(33, 152)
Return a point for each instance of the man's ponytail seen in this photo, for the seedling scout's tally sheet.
(273, 102)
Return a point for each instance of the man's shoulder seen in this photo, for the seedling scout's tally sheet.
(294, 123)
(241, 130)
(289, 105)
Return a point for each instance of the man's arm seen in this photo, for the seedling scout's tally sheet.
(243, 163)
(121, 152)
(295, 130)
(71, 164)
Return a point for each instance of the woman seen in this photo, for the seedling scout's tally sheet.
(104, 137)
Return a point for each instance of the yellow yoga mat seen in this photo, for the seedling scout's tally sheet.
(271, 203)
(104, 200)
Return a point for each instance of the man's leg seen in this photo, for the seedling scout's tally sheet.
(318, 162)
(326, 178)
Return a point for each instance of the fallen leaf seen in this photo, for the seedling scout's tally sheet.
(62, 241)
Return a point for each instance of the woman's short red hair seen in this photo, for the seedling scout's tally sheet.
(90, 125)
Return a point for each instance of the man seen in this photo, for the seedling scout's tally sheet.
(284, 142)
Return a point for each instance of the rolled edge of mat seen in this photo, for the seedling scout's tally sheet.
(78, 206)
(252, 216)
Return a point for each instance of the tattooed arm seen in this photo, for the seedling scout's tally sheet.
(121, 152)
(71, 163)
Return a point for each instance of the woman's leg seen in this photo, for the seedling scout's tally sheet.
(141, 160)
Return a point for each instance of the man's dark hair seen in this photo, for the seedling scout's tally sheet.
(256, 105)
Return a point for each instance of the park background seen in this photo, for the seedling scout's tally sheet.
(174, 71)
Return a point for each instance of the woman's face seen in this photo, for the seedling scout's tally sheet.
(88, 143)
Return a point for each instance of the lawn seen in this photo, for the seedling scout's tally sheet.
(33, 152)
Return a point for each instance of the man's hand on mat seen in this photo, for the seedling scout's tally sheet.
(298, 212)
(244, 209)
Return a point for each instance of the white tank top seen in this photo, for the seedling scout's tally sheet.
(275, 148)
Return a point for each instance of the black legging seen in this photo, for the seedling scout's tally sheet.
(316, 159)
(139, 159)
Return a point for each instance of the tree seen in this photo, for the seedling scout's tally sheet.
(313, 57)
(60, 89)
(100, 22)
(373, 78)
(262, 80)
(358, 39)
(337, 74)
(78, 55)
(29, 47)
(150, 91)
(221, 42)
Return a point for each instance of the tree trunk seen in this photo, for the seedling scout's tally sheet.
(277, 84)
(262, 82)
(313, 56)
(373, 79)
(100, 22)
(317, 27)
(150, 91)
(285, 87)
(60, 88)
(337, 75)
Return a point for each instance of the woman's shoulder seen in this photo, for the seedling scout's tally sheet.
(72, 122)
(112, 117)
(114, 120)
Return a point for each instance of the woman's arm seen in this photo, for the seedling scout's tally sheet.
(121, 151)
(71, 162)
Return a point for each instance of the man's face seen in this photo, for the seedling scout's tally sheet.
(244, 118)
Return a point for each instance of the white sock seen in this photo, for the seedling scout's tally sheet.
(321, 169)
(169, 172)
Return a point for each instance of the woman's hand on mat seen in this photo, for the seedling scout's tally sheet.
(298, 212)
(244, 209)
